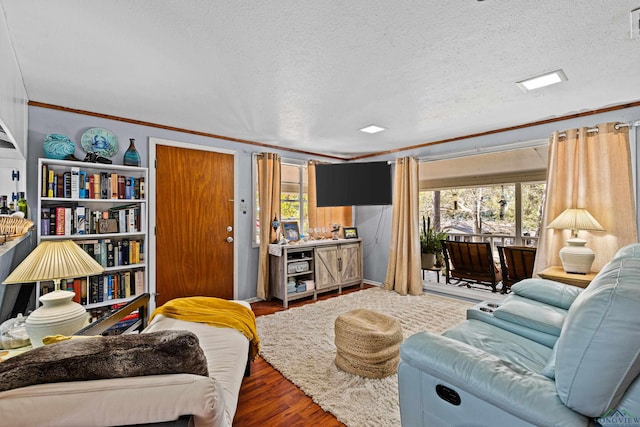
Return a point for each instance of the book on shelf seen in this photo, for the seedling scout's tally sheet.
(80, 219)
(138, 278)
(76, 287)
(74, 183)
(83, 181)
(45, 218)
(113, 185)
(121, 186)
(105, 189)
(83, 290)
(129, 186)
(78, 183)
(97, 186)
(44, 184)
(66, 185)
(60, 220)
(110, 254)
(51, 183)
(68, 222)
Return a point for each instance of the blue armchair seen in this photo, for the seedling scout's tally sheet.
(552, 355)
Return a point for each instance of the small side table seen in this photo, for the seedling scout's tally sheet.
(437, 271)
(558, 274)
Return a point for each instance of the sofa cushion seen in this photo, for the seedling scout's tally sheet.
(503, 344)
(484, 313)
(547, 291)
(598, 354)
(118, 356)
(543, 318)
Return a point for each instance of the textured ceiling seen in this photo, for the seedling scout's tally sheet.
(308, 74)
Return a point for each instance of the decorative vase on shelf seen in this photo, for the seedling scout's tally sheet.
(131, 156)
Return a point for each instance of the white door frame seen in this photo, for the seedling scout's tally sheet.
(151, 194)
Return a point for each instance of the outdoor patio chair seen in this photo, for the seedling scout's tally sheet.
(516, 263)
(470, 262)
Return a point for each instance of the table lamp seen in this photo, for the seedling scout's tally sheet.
(55, 260)
(576, 257)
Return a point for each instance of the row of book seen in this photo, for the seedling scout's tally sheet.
(66, 220)
(77, 183)
(122, 326)
(104, 287)
(114, 253)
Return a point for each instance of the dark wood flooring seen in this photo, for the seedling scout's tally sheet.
(269, 399)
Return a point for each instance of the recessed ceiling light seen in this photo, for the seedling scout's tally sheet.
(372, 129)
(542, 80)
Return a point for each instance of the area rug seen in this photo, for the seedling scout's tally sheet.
(299, 343)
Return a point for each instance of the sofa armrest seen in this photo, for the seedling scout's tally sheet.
(515, 390)
(547, 291)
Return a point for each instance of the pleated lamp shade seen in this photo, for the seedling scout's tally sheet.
(576, 257)
(576, 219)
(55, 260)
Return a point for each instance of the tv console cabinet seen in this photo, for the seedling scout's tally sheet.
(306, 269)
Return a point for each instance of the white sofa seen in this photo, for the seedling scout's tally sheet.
(195, 400)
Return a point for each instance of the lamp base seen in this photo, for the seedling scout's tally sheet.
(576, 257)
(59, 315)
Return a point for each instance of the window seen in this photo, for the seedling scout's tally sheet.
(294, 197)
(503, 213)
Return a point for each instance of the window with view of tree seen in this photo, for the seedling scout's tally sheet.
(511, 212)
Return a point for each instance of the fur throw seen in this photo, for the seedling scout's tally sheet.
(118, 356)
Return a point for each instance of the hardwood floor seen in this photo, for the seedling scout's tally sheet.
(269, 399)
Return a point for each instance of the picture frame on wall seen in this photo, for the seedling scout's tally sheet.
(350, 232)
(291, 231)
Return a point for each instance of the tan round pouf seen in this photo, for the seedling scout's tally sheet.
(367, 343)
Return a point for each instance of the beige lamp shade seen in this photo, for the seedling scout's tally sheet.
(55, 260)
(576, 219)
(576, 257)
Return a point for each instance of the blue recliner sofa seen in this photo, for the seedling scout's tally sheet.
(549, 355)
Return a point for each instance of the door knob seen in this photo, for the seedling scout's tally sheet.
(229, 229)
(230, 239)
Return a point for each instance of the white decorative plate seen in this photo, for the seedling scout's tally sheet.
(101, 141)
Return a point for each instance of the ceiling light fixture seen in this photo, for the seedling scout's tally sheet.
(372, 129)
(542, 80)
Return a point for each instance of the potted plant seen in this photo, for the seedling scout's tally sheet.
(430, 245)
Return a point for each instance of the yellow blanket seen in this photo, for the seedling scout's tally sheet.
(214, 312)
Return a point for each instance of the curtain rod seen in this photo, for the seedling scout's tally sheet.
(617, 126)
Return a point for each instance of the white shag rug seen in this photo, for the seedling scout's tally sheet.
(299, 343)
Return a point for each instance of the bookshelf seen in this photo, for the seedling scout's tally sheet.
(103, 208)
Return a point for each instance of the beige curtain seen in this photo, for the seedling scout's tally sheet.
(590, 170)
(403, 269)
(324, 217)
(269, 199)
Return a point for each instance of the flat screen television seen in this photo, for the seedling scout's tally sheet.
(353, 184)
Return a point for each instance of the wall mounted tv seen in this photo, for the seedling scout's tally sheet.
(358, 184)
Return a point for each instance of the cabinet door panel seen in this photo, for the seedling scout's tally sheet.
(327, 273)
(350, 256)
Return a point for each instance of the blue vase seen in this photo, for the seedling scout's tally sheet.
(131, 156)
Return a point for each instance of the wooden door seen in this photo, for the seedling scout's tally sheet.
(194, 208)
